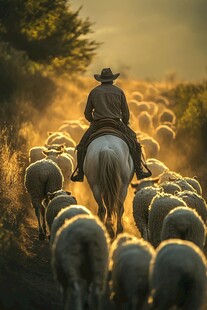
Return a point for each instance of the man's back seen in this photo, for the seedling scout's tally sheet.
(106, 101)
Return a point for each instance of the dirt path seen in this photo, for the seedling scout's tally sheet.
(41, 291)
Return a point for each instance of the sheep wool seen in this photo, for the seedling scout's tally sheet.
(66, 214)
(80, 261)
(131, 261)
(178, 266)
(184, 223)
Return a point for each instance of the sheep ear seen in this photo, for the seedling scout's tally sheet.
(59, 152)
(46, 152)
(195, 177)
(62, 146)
(50, 195)
(134, 185)
(49, 133)
(69, 193)
(155, 180)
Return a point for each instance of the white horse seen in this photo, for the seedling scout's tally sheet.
(109, 169)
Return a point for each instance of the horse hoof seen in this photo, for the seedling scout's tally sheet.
(41, 236)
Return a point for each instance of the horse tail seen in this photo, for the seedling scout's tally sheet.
(110, 178)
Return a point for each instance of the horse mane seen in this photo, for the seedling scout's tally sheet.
(110, 179)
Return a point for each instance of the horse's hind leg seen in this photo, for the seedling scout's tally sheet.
(101, 207)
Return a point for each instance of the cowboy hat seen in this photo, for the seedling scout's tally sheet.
(106, 76)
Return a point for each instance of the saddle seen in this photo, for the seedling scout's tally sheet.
(110, 127)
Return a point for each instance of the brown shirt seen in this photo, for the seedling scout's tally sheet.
(107, 101)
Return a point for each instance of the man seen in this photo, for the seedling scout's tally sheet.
(107, 101)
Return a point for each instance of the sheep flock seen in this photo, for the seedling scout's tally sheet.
(159, 261)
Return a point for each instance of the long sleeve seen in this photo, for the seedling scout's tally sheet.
(124, 110)
(89, 109)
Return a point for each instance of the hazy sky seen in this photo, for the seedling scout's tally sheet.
(149, 38)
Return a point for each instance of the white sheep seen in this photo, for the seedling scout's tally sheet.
(141, 202)
(137, 96)
(42, 177)
(75, 128)
(58, 137)
(178, 276)
(156, 166)
(169, 175)
(145, 122)
(36, 152)
(164, 135)
(184, 223)
(167, 115)
(66, 214)
(80, 261)
(58, 201)
(130, 273)
(151, 146)
(64, 161)
(159, 207)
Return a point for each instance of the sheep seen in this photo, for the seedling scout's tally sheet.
(141, 202)
(58, 201)
(65, 214)
(145, 122)
(151, 92)
(168, 175)
(184, 223)
(60, 138)
(75, 128)
(156, 166)
(178, 276)
(80, 261)
(36, 152)
(195, 184)
(151, 146)
(159, 207)
(167, 115)
(64, 161)
(42, 177)
(170, 187)
(184, 185)
(130, 272)
(153, 108)
(116, 246)
(137, 96)
(136, 107)
(164, 135)
(194, 201)
(144, 183)
(162, 100)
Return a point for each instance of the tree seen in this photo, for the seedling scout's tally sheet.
(50, 33)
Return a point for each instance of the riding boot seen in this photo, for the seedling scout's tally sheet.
(138, 164)
(78, 174)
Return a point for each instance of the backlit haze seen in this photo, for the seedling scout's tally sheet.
(149, 38)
